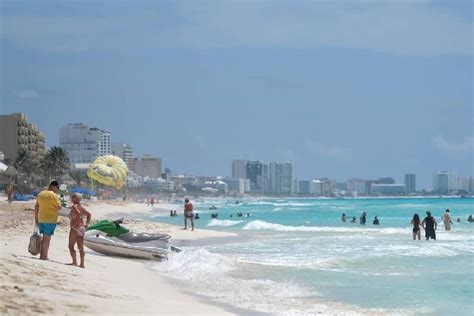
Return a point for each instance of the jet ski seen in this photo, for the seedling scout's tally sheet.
(111, 238)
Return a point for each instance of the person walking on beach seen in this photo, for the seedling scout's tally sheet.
(416, 227)
(46, 215)
(9, 191)
(430, 226)
(447, 220)
(77, 228)
(188, 214)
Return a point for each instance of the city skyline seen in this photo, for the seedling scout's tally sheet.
(388, 101)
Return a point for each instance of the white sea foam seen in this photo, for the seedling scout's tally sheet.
(210, 275)
(263, 225)
(222, 223)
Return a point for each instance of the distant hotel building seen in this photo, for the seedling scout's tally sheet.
(280, 178)
(17, 134)
(84, 144)
(388, 189)
(239, 169)
(357, 185)
(123, 151)
(147, 166)
(410, 183)
(443, 182)
(257, 173)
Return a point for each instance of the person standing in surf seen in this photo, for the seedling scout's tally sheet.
(416, 227)
(447, 220)
(430, 226)
(188, 214)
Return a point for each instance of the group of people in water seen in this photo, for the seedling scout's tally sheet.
(363, 219)
(429, 223)
(239, 214)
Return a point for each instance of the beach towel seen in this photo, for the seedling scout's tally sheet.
(35, 242)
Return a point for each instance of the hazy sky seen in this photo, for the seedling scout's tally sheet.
(341, 88)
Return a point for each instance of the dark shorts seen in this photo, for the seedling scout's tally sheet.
(47, 229)
(430, 233)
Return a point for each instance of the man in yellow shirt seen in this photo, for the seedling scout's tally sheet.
(47, 209)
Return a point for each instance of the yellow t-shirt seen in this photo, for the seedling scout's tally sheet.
(48, 207)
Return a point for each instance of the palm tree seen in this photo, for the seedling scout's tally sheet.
(27, 163)
(55, 163)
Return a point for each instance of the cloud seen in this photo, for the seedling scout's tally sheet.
(26, 93)
(398, 27)
(466, 146)
(339, 153)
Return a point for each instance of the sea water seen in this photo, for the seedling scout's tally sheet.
(296, 257)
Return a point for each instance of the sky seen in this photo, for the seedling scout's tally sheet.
(341, 88)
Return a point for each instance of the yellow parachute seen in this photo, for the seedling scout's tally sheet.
(109, 170)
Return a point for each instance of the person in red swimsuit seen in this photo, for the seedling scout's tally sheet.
(188, 214)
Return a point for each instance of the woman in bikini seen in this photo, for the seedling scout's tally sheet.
(76, 234)
(416, 226)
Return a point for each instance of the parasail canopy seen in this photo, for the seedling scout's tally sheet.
(109, 170)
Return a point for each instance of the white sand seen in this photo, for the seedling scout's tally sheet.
(107, 285)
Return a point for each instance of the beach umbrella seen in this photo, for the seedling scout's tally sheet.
(109, 170)
(82, 191)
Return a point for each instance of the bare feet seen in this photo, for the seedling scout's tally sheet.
(81, 266)
(72, 264)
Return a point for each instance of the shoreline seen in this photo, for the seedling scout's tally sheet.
(108, 285)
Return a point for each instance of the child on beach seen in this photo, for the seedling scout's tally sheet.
(76, 234)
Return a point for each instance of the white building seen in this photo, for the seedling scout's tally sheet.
(357, 185)
(315, 187)
(465, 184)
(237, 186)
(84, 144)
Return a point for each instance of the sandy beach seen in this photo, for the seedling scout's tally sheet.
(108, 285)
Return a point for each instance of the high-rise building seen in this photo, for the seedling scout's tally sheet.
(239, 170)
(84, 144)
(105, 146)
(147, 166)
(444, 182)
(123, 151)
(257, 173)
(17, 134)
(303, 187)
(410, 183)
(280, 178)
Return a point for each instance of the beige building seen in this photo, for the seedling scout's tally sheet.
(16, 134)
(147, 166)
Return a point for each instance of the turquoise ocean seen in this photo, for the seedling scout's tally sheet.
(296, 257)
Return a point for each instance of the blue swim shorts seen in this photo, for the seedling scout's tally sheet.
(47, 228)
